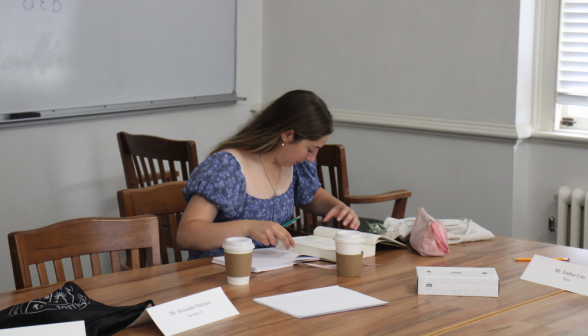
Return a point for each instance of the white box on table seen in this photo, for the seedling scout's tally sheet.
(458, 281)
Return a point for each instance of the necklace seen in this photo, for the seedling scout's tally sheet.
(268, 179)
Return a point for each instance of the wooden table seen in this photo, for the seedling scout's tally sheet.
(522, 308)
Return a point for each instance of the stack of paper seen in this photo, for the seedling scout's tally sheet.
(319, 301)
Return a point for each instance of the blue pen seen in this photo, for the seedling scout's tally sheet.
(290, 222)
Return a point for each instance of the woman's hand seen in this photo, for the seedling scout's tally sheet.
(343, 213)
(197, 231)
(325, 203)
(268, 233)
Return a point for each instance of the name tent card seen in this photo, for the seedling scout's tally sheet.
(192, 311)
(558, 274)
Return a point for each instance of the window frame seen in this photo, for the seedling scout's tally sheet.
(545, 64)
(547, 115)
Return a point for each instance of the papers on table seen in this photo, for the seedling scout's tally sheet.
(319, 301)
(76, 328)
(267, 259)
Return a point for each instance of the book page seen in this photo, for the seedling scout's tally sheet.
(316, 241)
(322, 247)
(325, 231)
(390, 241)
(329, 232)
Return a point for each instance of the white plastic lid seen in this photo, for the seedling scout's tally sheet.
(238, 242)
(348, 236)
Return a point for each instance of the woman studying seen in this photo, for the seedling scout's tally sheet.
(251, 182)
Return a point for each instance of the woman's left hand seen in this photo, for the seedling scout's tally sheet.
(343, 213)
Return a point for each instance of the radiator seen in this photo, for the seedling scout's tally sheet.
(570, 222)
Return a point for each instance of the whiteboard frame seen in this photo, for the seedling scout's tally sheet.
(104, 111)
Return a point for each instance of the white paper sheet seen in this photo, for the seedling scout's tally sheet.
(319, 301)
(76, 328)
(267, 259)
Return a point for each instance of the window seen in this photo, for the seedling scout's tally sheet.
(571, 101)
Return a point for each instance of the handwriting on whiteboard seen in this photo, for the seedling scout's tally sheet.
(42, 5)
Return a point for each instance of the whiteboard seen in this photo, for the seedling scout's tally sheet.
(64, 56)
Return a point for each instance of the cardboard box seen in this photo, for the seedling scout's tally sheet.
(459, 281)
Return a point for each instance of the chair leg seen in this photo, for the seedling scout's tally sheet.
(399, 208)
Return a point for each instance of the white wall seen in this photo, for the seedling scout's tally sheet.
(450, 178)
(551, 166)
(67, 170)
(450, 60)
(520, 198)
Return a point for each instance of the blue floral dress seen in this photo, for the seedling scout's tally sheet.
(220, 180)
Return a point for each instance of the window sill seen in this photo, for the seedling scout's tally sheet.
(560, 138)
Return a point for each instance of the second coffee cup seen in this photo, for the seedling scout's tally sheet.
(348, 246)
(238, 257)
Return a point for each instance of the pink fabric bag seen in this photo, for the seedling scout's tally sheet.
(429, 236)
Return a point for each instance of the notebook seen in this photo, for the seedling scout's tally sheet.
(319, 301)
(267, 259)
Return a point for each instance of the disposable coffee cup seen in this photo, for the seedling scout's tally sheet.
(238, 256)
(348, 245)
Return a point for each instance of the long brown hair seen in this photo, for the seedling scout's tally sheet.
(298, 110)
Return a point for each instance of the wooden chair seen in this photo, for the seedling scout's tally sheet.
(333, 157)
(144, 157)
(76, 237)
(163, 200)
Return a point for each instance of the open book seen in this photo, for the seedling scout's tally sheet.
(321, 243)
(267, 259)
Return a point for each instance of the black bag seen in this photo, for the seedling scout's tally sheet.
(70, 303)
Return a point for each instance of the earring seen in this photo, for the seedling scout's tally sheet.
(282, 144)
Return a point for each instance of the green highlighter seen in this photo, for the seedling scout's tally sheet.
(290, 222)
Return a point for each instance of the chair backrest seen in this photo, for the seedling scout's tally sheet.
(331, 158)
(164, 201)
(76, 237)
(145, 157)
